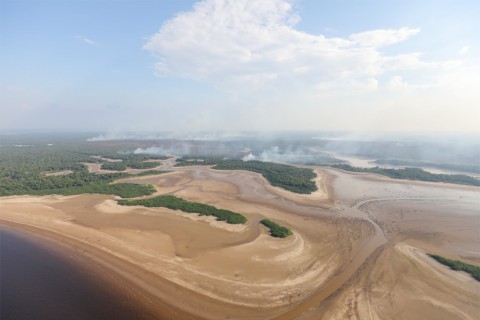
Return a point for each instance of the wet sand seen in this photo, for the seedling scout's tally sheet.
(346, 237)
(399, 280)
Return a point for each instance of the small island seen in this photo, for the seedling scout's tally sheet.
(276, 230)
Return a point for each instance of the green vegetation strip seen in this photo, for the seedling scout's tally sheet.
(148, 173)
(122, 166)
(445, 166)
(175, 203)
(276, 230)
(117, 166)
(456, 265)
(414, 174)
(298, 180)
(124, 190)
(188, 161)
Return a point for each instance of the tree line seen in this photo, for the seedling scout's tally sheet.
(415, 174)
(175, 203)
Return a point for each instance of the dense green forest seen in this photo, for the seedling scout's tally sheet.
(276, 230)
(175, 203)
(117, 166)
(141, 164)
(24, 170)
(299, 180)
(134, 164)
(456, 265)
(415, 174)
(445, 166)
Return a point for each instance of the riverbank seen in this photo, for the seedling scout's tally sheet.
(65, 282)
(203, 270)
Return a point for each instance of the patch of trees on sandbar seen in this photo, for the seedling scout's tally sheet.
(276, 230)
(415, 174)
(298, 180)
(456, 265)
(175, 203)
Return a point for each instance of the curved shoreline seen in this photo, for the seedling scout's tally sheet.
(254, 190)
(78, 287)
(99, 264)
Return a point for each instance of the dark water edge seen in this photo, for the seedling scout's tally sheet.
(38, 283)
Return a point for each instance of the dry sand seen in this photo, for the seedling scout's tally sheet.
(358, 249)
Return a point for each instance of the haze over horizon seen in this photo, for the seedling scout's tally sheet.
(219, 65)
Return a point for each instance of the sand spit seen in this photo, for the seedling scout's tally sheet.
(356, 252)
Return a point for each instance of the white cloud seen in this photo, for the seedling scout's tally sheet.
(235, 42)
(382, 38)
(86, 40)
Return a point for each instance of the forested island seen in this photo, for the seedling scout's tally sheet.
(414, 174)
(175, 203)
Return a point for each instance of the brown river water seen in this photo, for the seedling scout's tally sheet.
(39, 281)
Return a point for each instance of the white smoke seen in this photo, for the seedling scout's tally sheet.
(191, 136)
(180, 150)
(249, 157)
(274, 154)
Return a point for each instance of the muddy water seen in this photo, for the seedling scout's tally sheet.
(39, 283)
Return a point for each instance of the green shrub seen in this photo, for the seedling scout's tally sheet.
(456, 265)
(276, 230)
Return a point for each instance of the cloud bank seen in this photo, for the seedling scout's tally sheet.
(230, 42)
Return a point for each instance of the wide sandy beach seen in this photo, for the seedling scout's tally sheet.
(358, 250)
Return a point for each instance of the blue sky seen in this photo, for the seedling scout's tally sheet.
(240, 65)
